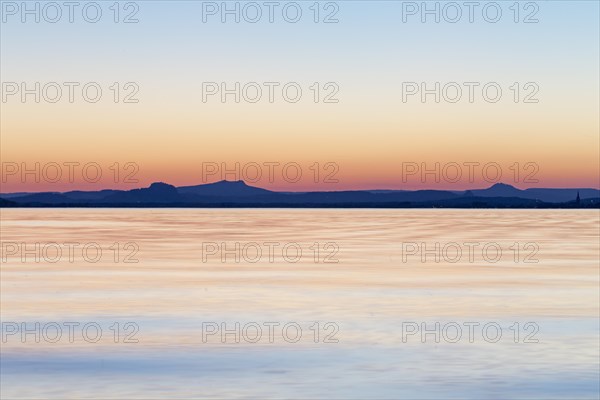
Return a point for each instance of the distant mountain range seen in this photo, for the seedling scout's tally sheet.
(239, 194)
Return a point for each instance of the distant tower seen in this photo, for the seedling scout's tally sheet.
(578, 199)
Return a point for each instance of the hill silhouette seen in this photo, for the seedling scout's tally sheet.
(240, 194)
(224, 188)
(547, 195)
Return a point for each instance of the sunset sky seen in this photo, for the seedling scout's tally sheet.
(367, 135)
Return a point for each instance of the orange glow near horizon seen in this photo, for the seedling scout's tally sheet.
(357, 150)
(292, 175)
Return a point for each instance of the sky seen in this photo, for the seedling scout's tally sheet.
(360, 122)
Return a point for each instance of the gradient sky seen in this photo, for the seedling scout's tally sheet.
(369, 134)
